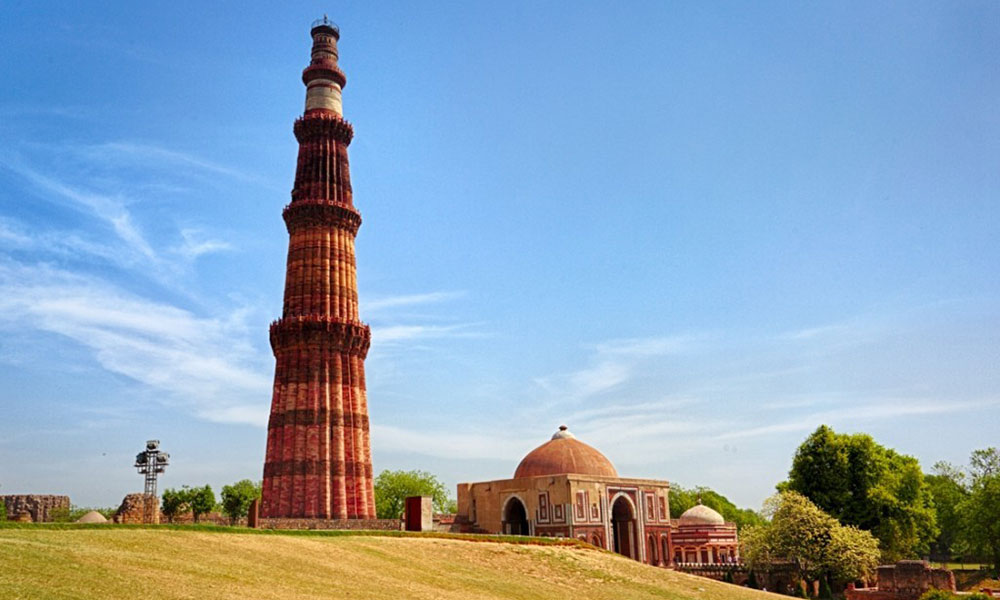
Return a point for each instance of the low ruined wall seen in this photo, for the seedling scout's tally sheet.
(138, 509)
(352, 524)
(39, 507)
(905, 580)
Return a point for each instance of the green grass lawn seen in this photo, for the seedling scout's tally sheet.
(107, 561)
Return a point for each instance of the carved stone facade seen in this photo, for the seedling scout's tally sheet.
(702, 537)
(318, 459)
(37, 507)
(905, 580)
(565, 488)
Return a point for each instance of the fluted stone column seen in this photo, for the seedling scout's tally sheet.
(318, 460)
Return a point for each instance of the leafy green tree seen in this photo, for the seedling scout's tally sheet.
(949, 489)
(236, 498)
(981, 517)
(174, 502)
(984, 463)
(814, 542)
(201, 500)
(862, 483)
(393, 487)
(682, 499)
(851, 554)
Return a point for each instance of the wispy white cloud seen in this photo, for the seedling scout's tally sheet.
(109, 208)
(651, 346)
(194, 244)
(203, 364)
(613, 363)
(395, 334)
(148, 154)
(451, 443)
(378, 304)
(866, 410)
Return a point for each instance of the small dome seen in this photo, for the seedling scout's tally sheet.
(92, 517)
(565, 454)
(699, 514)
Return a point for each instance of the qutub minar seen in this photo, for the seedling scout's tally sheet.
(318, 462)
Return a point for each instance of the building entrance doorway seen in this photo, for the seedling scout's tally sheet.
(515, 518)
(623, 528)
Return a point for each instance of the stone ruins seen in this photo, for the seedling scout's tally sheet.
(38, 508)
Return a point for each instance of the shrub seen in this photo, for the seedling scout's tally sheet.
(60, 515)
(936, 594)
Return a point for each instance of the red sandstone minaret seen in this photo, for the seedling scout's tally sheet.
(318, 462)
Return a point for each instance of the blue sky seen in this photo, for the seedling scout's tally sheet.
(691, 232)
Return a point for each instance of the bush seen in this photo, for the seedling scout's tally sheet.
(936, 594)
(3, 511)
(752, 581)
(60, 515)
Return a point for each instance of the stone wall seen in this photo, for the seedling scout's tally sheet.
(905, 580)
(138, 509)
(38, 507)
(352, 524)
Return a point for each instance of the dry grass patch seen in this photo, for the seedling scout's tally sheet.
(116, 562)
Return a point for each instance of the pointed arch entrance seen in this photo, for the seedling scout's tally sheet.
(515, 517)
(623, 527)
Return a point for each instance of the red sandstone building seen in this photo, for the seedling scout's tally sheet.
(566, 488)
(318, 460)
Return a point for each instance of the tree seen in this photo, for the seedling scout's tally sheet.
(393, 487)
(862, 483)
(984, 463)
(3, 511)
(811, 540)
(852, 553)
(201, 500)
(949, 489)
(981, 517)
(682, 499)
(174, 502)
(236, 498)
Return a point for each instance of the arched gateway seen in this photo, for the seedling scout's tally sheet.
(515, 517)
(623, 527)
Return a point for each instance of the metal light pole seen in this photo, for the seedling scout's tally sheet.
(150, 463)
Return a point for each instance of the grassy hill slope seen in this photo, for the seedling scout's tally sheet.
(122, 562)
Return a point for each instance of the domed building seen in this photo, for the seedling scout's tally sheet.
(566, 488)
(702, 536)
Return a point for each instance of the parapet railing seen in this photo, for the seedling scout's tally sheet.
(325, 22)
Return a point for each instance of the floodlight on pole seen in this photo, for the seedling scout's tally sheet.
(151, 462)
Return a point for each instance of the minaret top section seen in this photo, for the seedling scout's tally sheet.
(323, 78)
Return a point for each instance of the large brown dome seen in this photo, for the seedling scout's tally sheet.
(565, 454)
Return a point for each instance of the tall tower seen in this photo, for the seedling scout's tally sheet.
(318, 462)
